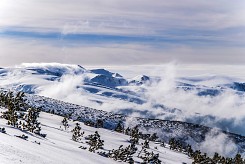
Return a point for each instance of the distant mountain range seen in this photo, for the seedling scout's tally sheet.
(20, 79)
(111, 92)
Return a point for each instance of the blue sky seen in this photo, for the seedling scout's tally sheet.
(122, 32)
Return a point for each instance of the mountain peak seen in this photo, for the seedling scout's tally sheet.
(105, 72)
(56, 69)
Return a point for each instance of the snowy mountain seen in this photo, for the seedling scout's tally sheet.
(140, 80)
(26, 76)
(187, 108)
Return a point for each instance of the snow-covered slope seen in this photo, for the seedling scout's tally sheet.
(34, 78)
(187, 132)
(29, 77)
(213, 101)
(58, 147)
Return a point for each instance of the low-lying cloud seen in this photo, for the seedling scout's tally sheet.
(216, 141)
(225, 110)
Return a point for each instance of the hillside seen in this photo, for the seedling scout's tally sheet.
(58, 146)
(187, 132)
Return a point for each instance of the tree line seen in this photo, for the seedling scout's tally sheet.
(125, 153)
(18, 114)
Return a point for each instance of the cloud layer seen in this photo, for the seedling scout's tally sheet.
(225, 110)
(142, 31)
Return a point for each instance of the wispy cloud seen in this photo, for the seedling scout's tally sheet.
(205, 30)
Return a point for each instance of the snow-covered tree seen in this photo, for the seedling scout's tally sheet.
(2, 130)
(150, 157)
(65, 123)
(123, 154)
(77, 134)
(31, 123)
(11, 113)
(127, 131)
(99, 123)
(153, 137)
(119, 128)
(94, 142)
(134, 136)
(238, 159)
(19, 102)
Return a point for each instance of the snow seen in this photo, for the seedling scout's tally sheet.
(200, 99)
(58, 147)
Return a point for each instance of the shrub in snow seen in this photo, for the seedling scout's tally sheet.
(153, 137)
(8, 101)
(145, 146)
(82, 147)
(94, 142)
(119, 128)
(123, 154)
(77, 134)
(31, 123)
(238, 159)
(24, 137)
(134, 135)
(89, 123)
(65, 123)
(99, 123)
(127, 131)
(149, 157)
(2, 130)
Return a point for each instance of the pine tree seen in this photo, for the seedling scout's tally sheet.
(77, 134)
(127, 131)
(145, 146)
(172, 144)
(65, 123)
(11, 113)
(119, 128)
(14, 104)
(19, 101)
(99, 123)
(150, 157)
(154, 159)
(153, 137)
(38, 129)
(134, 136)
(95, 142)
(189, 150)
(123, 154)
(238, 159)
(216, 157)
(197, 156)
(32, 123)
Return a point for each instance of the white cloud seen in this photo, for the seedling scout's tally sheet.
(216, 141)
(123, 15)
(66, 89)
(14, 52)
(224, 110)
(199, 31)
